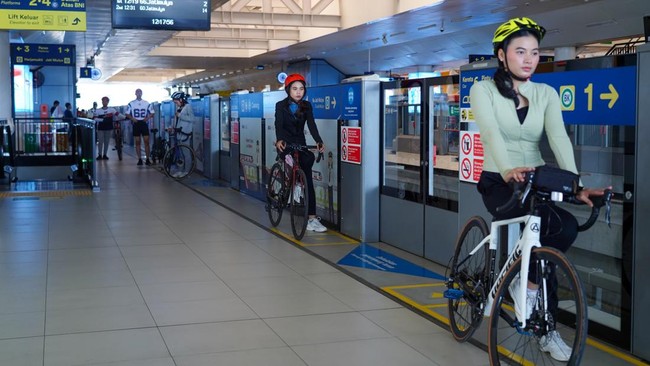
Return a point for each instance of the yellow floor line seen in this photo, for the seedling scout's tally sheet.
(616, 353)
(303, 244)
(427, 309)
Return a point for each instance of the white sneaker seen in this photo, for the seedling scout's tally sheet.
(531, 298)
(554, 344)
(297, 189)
(315, 225)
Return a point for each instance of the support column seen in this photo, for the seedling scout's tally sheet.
(565, 53)
(6, 101)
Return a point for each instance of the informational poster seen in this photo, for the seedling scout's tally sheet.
(351, 145)
(60, 15)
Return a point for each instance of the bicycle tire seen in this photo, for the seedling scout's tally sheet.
(275, 194)
(299, 205)
(179, 162)
(469, 274)
(509, 344)
(118, 145)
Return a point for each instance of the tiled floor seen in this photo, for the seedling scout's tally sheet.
(147, 272)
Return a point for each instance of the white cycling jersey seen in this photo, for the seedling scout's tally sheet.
(139, 109)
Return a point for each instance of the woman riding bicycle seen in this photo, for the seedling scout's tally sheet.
(291, 114)
(512, 112)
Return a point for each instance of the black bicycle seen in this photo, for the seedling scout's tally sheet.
(287, 187)
(119, 139)
(179, 160)
(159, 147)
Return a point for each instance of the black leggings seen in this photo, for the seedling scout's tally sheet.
(307, 160)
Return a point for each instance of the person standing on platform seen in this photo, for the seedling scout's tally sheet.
(55, 110)
(184, 113)
(139, 111)
(104, 118)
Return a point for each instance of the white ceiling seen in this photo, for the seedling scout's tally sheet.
(429, 37)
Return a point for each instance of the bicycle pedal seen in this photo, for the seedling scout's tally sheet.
(453, 294)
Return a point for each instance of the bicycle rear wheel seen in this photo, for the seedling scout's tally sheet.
(299, 205)
(118, 144)
(179, 162)
(275, 189)
(564, 315)
(469, 280)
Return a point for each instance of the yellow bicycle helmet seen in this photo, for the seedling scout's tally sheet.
(513, 25)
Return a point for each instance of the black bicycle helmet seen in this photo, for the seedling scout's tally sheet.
(180, 96)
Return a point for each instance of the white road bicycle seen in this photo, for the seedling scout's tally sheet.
(559, 305)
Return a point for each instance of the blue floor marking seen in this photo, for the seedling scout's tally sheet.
(369, 257)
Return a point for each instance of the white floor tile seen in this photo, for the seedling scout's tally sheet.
(195, 339)
(22, 352)
(325, 328)
(373, 352)
(104, 347)
(268, 357)
(97, 319)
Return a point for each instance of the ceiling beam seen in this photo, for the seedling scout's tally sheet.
(221, 17)
(244, 34)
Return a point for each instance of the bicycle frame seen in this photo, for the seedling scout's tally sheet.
(528, 239)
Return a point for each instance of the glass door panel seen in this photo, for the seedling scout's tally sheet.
(443, 142)
(402, 112)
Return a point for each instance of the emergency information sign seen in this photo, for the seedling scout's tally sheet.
(60, 15)
(351, 145)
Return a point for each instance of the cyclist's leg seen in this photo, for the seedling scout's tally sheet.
(559, 230)
(136, 136)
(145, 135)
(307, 159)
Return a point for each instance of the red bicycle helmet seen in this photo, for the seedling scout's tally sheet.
(294, 77)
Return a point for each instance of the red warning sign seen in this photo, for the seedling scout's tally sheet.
(466, 168)
(466, 144)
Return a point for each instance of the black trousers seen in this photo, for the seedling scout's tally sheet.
(307, 160)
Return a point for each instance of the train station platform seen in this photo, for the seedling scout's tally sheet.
(153, 272)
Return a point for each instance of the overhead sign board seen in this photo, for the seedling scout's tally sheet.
(161, 14)
(46, 15)
(42, 54)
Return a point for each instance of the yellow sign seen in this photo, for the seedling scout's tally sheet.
(568, 97)
(43, 20)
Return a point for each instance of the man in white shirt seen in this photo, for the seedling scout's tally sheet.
(139, 111)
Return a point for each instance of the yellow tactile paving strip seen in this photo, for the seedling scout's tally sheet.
(76, 192)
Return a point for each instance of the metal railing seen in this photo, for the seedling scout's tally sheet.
(42, 136)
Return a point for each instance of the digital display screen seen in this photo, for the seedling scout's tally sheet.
(161, 14)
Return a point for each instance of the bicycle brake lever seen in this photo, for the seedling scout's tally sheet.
(608, 209)
(529, 185)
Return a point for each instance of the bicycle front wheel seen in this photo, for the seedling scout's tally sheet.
(468, 281)
(118, 145)
(299, 205)
(179, 162)
(275, 189)
(556, 330)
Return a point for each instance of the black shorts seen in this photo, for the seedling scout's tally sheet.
(140, 128)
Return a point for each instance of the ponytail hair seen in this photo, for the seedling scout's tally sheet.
(503, 81)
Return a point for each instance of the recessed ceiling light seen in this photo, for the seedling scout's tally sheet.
(427, 26)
